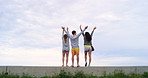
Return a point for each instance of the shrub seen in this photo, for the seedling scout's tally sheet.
(145, 75)
(63, 74)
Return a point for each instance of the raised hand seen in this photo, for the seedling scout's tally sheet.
(94, 28)
(86, 27)
(63, 28)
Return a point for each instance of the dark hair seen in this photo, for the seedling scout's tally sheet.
(73, 32)
(88, 36)
(65, 37)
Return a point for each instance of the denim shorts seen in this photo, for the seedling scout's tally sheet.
(65, 51)
(87, 48)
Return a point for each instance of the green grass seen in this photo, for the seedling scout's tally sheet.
(63, 74)
(120, 74)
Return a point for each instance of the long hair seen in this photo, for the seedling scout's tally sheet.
(65, 37)
(88, 36)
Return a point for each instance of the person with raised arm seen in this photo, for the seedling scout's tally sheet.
(88, 48)
(65, 48)
(74, 44)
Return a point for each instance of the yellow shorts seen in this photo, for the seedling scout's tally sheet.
(75, 51)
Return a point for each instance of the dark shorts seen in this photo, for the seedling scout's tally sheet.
(65, 50)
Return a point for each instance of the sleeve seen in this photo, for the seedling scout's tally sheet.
(67, 32)
(74, 36)
(82, 32)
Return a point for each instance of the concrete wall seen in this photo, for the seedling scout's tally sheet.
(49, 71)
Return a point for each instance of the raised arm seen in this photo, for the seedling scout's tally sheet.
(62, 33)
(67, 29)
(67, 32)
(93, 31)
(73, 37)
(81, 30)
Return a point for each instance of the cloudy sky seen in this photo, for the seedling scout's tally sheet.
(30, 31)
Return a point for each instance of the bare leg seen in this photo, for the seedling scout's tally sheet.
(78, 61)
(63, 56)
(89, 57)
(67, 54)
(72, 60)
(85, 56)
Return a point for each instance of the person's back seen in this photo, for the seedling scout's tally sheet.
(65, 42)
(86, 42)
(74, 41)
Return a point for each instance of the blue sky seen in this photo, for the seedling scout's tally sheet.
(31, 31)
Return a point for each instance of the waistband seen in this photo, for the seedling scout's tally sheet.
(87, 45)
(75, 48)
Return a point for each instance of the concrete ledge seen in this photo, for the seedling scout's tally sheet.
(49, 71)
